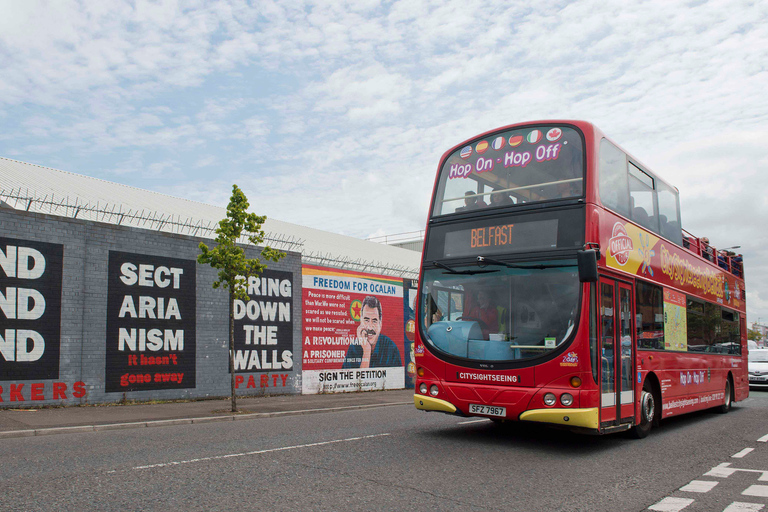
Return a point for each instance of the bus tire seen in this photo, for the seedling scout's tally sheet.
(647, 412)
(725, 407)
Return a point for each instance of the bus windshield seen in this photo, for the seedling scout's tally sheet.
(498, 313)
(518, 166)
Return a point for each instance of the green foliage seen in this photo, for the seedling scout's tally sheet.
(753, 335)
(227, 256)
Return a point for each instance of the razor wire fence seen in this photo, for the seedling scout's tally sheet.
(117, 214)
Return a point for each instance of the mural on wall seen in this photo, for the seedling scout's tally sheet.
(264, 327)
(151, 318)
(30, 311)
(353, 335)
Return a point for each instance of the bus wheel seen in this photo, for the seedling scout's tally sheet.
(647, 413)
(727, 405)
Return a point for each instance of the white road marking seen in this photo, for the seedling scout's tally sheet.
(738, 506)
(257, 452)
(742, 453)
(721, 470)
(670, 504)
(471, 421)
(763, 439)
(756, 490)
(724, 471)
(699, 486)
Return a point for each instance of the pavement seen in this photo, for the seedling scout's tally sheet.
(30, 421)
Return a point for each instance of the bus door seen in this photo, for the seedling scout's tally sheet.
(616, 353)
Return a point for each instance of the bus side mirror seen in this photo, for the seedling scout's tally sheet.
(587, 260)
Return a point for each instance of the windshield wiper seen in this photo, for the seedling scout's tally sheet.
(461, 272)
(482, 260)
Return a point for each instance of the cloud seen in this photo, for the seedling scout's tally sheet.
(335, 114)
(368, 94)
(206, 161)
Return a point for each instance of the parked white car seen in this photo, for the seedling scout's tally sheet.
(758, 368)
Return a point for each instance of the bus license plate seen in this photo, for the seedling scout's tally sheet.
(487, 410)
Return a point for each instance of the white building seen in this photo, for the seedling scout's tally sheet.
(40, 189)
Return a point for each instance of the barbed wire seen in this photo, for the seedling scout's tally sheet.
(359, 265)
(147, 219)
(115, 214)
(410, 236)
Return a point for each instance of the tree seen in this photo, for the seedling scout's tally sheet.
(234, 267)
(753, 334)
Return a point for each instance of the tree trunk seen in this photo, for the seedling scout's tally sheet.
(232, 348)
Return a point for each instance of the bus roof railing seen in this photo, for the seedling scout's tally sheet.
(513, 189)
(723, 258)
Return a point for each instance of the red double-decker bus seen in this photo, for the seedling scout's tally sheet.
(557, 286)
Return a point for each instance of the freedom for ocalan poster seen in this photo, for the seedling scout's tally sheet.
(353, 331)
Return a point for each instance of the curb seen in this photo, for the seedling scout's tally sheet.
(184, 421)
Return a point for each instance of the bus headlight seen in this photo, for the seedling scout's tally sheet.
(566, 399)
(550, 399)
(423, 388)
(433, 390)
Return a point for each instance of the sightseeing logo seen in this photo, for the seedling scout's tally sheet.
(620, 244)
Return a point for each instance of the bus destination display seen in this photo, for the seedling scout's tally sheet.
(501, 238)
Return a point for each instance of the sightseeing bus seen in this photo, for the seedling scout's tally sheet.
(558, 286)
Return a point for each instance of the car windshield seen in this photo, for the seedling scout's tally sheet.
(502, 314)
(758, 356)
(524, 165)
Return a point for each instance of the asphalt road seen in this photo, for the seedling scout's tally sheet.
(391, 458)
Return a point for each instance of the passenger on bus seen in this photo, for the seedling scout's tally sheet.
(471, 202)
(706, 250)
(736, 262)
(484, 313)
(563, 175)
(433, 313)
(641, 216)
(500, 199)
(722, 259)
(663, 225)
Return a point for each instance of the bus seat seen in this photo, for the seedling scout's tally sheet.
(640, 216)
(453, 336)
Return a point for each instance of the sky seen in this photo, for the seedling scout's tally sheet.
(334, 114)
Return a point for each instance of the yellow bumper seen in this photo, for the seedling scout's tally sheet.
(427, 403)
(586, 418)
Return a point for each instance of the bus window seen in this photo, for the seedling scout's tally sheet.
(669, 213)
(641, 199)
(711, 326)
(649, 316)
(695, 325)
(518, 166)
(729, 339)
(509, 314)
(613, 178)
